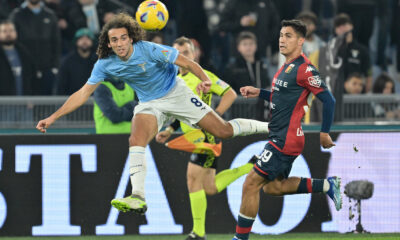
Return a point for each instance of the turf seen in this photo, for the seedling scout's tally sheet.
(297, 236)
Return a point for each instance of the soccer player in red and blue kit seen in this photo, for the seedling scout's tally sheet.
(289, 99)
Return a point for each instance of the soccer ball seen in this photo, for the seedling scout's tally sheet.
(152, 15)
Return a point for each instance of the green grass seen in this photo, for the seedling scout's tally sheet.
(297, 236)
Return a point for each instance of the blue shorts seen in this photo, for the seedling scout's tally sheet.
(272, 163)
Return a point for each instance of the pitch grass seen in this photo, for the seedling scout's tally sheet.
(296, 236)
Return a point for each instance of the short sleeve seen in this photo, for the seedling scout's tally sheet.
(162, 53)
(309, 78)
(98, 73)
(218, 86)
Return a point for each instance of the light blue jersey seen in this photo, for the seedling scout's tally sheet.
(150, 70)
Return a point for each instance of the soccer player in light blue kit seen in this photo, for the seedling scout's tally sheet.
(149, 69)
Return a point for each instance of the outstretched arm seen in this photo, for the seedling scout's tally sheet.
(73, 102)
(195, 68)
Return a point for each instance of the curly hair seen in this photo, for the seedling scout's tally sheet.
(121, 20)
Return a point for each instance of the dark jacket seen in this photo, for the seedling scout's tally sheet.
(266, 28)
(7, 80)
(240, 74)
(40, 34)
(74, 72)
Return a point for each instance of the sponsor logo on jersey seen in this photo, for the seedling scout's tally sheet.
(315, 81)
(289, 68)
(165, 52)
(309, 69)
(300, 132)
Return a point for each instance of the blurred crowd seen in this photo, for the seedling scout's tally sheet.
(47, 47)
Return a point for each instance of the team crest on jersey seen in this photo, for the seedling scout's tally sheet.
(309, 69)
(315, 81)
(143, 66)
(289, 68)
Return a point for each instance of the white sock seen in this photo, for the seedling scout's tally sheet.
(137, 169)
(326, 186)
(243, 127)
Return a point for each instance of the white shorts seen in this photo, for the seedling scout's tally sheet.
(180, 103)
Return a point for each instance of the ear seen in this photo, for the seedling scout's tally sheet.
(301, 41)
(131, 40)
(108, 44)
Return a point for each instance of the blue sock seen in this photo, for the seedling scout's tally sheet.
(310, 185)
(243, 227)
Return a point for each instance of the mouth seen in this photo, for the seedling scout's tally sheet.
(120, 51)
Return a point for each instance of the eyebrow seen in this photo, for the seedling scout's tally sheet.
(123, 35)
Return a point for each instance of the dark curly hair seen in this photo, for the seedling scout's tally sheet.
(121, 20)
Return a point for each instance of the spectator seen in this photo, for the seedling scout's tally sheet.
(248, 70)
(99, 12)
(76, 66)
(155, 37)
(113, 108)
(362, 13)
(355, 55)
(70, 19)
(384, 84)
(38, 30)
(257, 16)
(16, 64)
(312, 42)
(354, 84)
(200, 58)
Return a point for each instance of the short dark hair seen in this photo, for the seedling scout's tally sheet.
(307, 15)
(182, 40)
(245, 35)
(6, 21)
(299, 27)
(355, 75)
(341, 19)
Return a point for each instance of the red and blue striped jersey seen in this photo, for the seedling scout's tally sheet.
(290, 99)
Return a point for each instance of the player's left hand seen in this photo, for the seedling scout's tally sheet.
(204, 87)
(326, 140)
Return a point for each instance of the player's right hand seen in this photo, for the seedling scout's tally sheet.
(249, 92)
(44, 124)
(163, 136)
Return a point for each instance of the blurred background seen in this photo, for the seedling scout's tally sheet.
(47, 51)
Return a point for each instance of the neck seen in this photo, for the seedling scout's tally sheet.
(31, 6)
(8, 47)
(292, 56)
(83, 54)
(250, 59)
